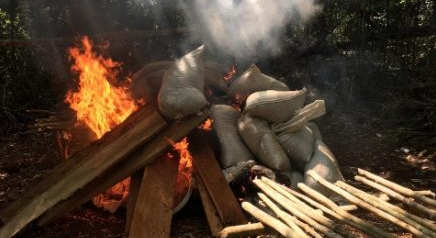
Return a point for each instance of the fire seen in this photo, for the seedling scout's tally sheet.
(230, 74)
(207, 125)
(184, 174)
(98, 104)
(101, 106)
(185, 163)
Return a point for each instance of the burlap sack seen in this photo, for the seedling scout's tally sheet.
(225, 121)
(147, 81)
(298, 146)
(214, 75)
(315, 130)
(324, 163)
(301, 117)
(263, 143)
(275, 106)
(253, 80)
(182, 88)
(297, 177)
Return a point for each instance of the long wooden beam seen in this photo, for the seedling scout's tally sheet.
(208, 169)
(153, 210)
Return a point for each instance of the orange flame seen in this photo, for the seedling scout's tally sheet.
(207, 125)
(185, 163)
(230, 74)
(100, 105)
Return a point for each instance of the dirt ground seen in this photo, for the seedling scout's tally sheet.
(357, 139)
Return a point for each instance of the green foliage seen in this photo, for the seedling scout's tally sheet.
(367, 51)
(390, 49)
(22, 84)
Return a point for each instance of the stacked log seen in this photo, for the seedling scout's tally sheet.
(296, 215)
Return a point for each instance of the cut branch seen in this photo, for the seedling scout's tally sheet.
(291, 221)
(268, 220)
(408, 201)
(395, 211)
(339, 213)
(318, 217)
(292, 208)
(242, 231)
(419, 195)
(361, 203)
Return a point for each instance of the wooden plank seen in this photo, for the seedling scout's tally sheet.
(140, 158)
(135, 184)
(153, 211)
(213, 219)
(66, 179)
(210, 172)
(62, 168)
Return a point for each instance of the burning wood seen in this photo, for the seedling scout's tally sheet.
(82, 168)
(136, 161)
(100, 106)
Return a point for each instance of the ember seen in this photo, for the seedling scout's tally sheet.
(207, 125)
(185, 164)
(230, 74)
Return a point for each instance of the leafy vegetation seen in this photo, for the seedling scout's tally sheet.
(375, 54)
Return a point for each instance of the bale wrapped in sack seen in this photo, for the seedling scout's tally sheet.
(324, 163)
(253, 80)
(263, 143)
(296, 178)
(182, 88)
(301, 117)
(298, 146)
(147, 81)
(214, 75)
(275, 106)
(233, 150)
(315, 130)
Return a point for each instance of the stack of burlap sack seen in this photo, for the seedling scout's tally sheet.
(273, 128)
(274, 125)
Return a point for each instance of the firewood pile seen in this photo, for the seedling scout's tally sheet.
(136, 148)
(308, 213)
(259, 123)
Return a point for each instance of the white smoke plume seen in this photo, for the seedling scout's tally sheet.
(246, 27)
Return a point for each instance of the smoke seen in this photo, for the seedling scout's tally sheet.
(246, 28)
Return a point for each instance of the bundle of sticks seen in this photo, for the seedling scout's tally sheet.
(308, 213)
